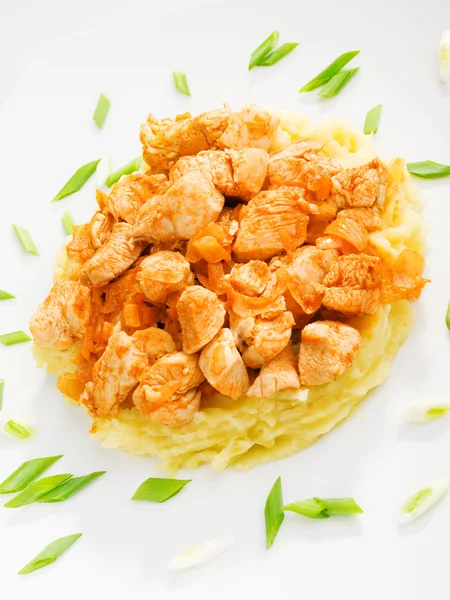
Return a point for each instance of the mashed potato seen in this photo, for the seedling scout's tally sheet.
(250, 431)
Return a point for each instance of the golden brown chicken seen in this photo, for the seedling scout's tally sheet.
(280, 373)
(250, 278)
(251, 127)
(164, 273)
(102, 224)
(360, 187)
(130, 193)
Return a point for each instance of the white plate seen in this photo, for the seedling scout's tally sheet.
(46, 132)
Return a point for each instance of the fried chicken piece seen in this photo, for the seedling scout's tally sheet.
(201, 315)
(114, 257)
(268, 338)
(102, 224)
(167, 393)
(250, 278)
(367, 217)
(163, 273)
(236, 173)
(223, 367)
(272, 220)
(251, 127)
(280, 373)
(327, 349)
(63, 317)
(360, 187)
(131, 192)
(184, 209)
(79, 249)
(154, 342)
(164, 141)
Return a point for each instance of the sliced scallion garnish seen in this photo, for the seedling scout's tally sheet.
(312, 508)
(25, 240)
(5, 295)
(428, 409)
(101, 110)
(444, 56)
(37, 490)
(420, 502)
(372, 119)
(277, 54)
(158, 489)
(329, 71)
(263, 49)
(127, 169)
(70, 487)
(447, 317)
(15, 337)
(273, 512)
(428, 169)
(181, 83)
(50, 553)
(201, 553)
(77, 180)
(341, 506)
(17, 430)
(26, 473)
(2, 387)
(67, 222)
(337, 83)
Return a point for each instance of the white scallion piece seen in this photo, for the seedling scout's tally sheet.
(421, 502)
(103, 170)
(426, 410)
(444, 56)
(201, 553)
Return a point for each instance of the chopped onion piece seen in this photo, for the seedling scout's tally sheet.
(201, 554)
(427, 410)
(103, 170)
(444, 56)
(421, 502)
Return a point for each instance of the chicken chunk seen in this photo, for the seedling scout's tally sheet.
(163, 273)
(79, 249)
(279, 374)
(223, 367)
(131, 192)
(267, 339)
(184, 209)
(164, 141)
(113, 258)
(63, 317)
(236, 173)
(360, 187)
(327, 349)
(162, 392)
(367, 217)
(154, 342)
(201, 315)
(114, 375)
(270, 221)
(250, 278)
(102, 224)
(251, 127)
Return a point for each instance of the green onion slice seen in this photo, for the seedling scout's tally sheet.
(17, 430)
(127, 169)
(201, 553)
(25, 240)
(2, 387)
(372, 119)
(447, 317)
(273, 512)
(277, 54)
(428, 409)
(264, 49)
(421, 502)
(181, 83)
(37, 490)
(341, 506)
(70, 487)
(444, 56)
(15, 337)
(329, 71)
(428, 169)
(50, 553)
(101, 110)
(26, 473)
(5, 295)
(337, 83)
(77, 180)
(67, 222)
(158, 489)
(312, 508)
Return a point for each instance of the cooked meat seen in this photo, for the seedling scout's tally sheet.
(163, 273)
(360, 187)
(102, 224)
(131, 192)
(280, 373)
(267, 338)
(250, 278)
(251, 127)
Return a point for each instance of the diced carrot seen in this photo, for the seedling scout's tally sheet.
(210, 249)
(131, 315)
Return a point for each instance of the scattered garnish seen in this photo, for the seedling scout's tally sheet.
(127, 169)
(429, 409)
(428, 169)
(77, 180)
(444, 56)
(201, 553)
(329, 71)
(263, 49)
(2, 387)
(67, 222)
(372, 119)
(37, 490)
(5, 295)
(421, 502)
(70, 487)
(103, 170)
(322, 508)
(25, 240)
(26, 473)
(50, 553)
(273, 512)
(101, 110)
(17, 430)
(447, 317)
(337, 83)
(15, 337)
(181, 83)
(277, 54)
(159, 489)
